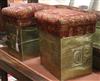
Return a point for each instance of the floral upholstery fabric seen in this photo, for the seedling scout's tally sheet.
(23, 14)
(66, 22)
(24, 10)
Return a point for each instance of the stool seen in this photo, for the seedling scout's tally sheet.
(22, 31)
(65, 41)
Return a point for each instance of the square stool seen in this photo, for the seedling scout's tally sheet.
(65, 41)
(22, 30)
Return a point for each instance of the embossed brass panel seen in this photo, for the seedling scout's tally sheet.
(66, 57)
(25, 40)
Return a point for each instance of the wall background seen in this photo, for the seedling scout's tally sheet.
(76, 3)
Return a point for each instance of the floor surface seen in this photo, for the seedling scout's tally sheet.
(38, 68)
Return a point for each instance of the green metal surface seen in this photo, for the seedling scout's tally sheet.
(23, 40)
(96, 36)
(66, 57)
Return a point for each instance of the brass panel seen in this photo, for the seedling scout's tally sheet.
(66, 57)
(25, 41)
(76, 56)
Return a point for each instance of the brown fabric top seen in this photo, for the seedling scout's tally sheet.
(61, 21)
(97, 13)
(69, 7)
(66, 16)
(24, 10)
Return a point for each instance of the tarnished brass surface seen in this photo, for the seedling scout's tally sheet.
(96, 36)
(76, 56)
(66, 57)
(25, 41)
(96, 47)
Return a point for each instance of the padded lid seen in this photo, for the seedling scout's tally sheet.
(61, 21)
(24, 10)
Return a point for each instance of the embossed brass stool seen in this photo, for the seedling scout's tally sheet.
(65, 41)
(22, 31)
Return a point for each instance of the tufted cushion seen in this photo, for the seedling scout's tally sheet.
(66, 22)
(24, 10)
(23, 14)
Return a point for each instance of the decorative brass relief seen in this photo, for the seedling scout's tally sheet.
(81, 56)
(77, 56)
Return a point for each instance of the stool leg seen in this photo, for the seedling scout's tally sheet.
(4, 76)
